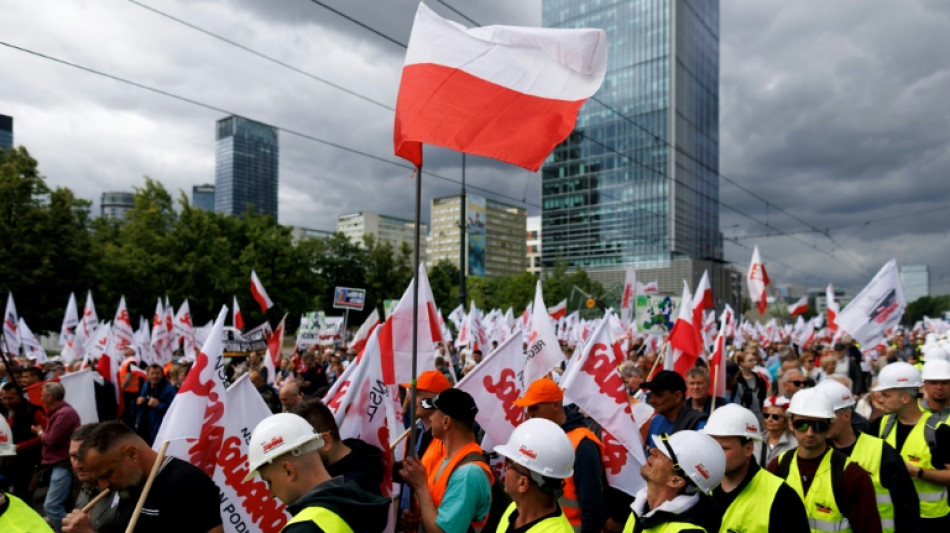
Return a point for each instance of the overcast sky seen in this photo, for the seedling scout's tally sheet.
(833, 111)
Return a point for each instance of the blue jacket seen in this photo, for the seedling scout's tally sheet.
(149, 419)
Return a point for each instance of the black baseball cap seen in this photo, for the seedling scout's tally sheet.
(457, 404)
(665, 380)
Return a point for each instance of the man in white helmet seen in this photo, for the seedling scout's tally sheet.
(680, 471)
(896, 498)
(837, 492)
(284, 451)
(921, 439)
(538, 458)
(936, 376)
(751, 498)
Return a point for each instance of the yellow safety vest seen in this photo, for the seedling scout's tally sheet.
(554, 524)
(20, 518)
(325, 519)
(820, 505)
(867, 452)
(749, 511)
(933, 498)
(669, 527)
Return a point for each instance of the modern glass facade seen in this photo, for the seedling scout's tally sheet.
(6, 132)
(637, 182)
(245, 167)
(202, 197)
(115, 204)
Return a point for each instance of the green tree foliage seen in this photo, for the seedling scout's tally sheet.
(931, 306)
(444, 280)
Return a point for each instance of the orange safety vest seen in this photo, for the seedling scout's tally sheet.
(433, 456)
(439, 480)
(569, 503)
(135, 384)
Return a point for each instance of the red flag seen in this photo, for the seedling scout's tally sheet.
(259, 294)
(683, 336)
(275, 351)
(236, 319)
(503, 92)
(717, 362)
(798, 307)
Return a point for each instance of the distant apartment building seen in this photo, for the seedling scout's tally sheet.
(534, 244)
(385, 229)
(115, 204)
(494, 235)
(6, 132)
(916, 281)
(202, 197)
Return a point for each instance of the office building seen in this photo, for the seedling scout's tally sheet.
(202, 197)
(916, 281)
(6, 132)
(637, 182)
(245, 175)
(494, 236)
(115, 204)
(299, 233)
(534, 244)
(385, 229)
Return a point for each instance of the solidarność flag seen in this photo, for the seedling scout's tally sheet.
(758, 280)
(505, 92)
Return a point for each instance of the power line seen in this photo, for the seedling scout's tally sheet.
(228, 112)
(358, 23)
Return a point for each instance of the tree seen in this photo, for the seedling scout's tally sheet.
(930, 306)
(444, 280)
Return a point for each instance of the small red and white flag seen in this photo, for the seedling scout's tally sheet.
(236, 319)
(275, 351)
(833, 308)
(682, 337)
(504, 92)
(758, 280)
(702, 302)
(185, 332)
(122, 326)
(543, 352)
(799, 307)
(11, 337)
(70, 321)
(648, 288)
(362, 334)
(717, 361)
(395, 335)
(559, 311)
(259, 294)
(628, 302)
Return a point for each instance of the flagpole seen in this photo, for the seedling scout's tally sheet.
(415, 314)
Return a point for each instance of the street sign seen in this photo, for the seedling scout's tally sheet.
(347, 298)
(591, 303)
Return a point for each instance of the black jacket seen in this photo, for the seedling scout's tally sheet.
(705, 514)
(362, 511)
(363, 466)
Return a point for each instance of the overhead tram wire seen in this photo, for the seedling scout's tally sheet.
(228, 112)
(863, 225)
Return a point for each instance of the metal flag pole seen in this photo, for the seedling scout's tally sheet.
(415, 315)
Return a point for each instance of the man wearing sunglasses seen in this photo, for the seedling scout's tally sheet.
(751, 498)
(793, 381)
(896, 497)
(837, 492)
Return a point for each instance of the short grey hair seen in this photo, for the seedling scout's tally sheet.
(56, 390)
(629, 369)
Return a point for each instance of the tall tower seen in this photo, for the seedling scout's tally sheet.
(637, 182)
(245, 167)
(6, 132)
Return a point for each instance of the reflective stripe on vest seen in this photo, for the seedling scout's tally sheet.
(867, 452)
(748, 511)
(568, 501)
(324, 518)
(669, 527)
(916, 451)
(820, 505)
(439, 477)
(554, 524)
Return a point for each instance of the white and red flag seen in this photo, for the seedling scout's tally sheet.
(799, 307)
(702, 302)
(495, 386)
(275, 351)
(628, 303)
(504, 92)
(161, 339)
(833, 308)
(877, 308)
(185, 332)
(682, 339)
(543, 352)
(362, 334)
(31, 345)
(648, 288)
(259, 294)
(122, 326)
(559, 311)
(395, 335)
(70, 321)
(717, 361)
(236, 319)
(89, 322)
(11, 337)
(758, 281)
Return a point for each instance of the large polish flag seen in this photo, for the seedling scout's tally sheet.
(505, 92)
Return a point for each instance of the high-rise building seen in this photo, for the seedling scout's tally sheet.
(916, 281)
(202, 197)
(637, 182)
(494, 236)
(115, 204)
(534, 244)
(245, 167)
(384, 228)
(6, 132)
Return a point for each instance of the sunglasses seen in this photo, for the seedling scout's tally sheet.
(772, 416)
(820, 426)
(804, 383)
(511, 466)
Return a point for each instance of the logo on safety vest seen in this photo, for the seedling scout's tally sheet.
(274, 442)
(701, 468)
(527, 451)
(822, 508)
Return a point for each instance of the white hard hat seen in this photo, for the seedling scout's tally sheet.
(733, 420)
(898, 376)
(812, 403)
(279, 434)
(699, 456)
(542, 447)
(936, 370)
(935, 352)
(7, 448)
(930, 338)
(840, 395)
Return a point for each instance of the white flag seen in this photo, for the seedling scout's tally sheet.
(81, 394)
(757, 279)
(877, 308)
(31, 345)
(495, 386)
(544, 351)
(11, 337)
(628, 302)
(122, 326)
(185, 331)
(70, 321)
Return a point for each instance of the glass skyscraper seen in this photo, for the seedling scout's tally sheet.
(637, 182)
(6, 132)
(202, 196)
(245, 167)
